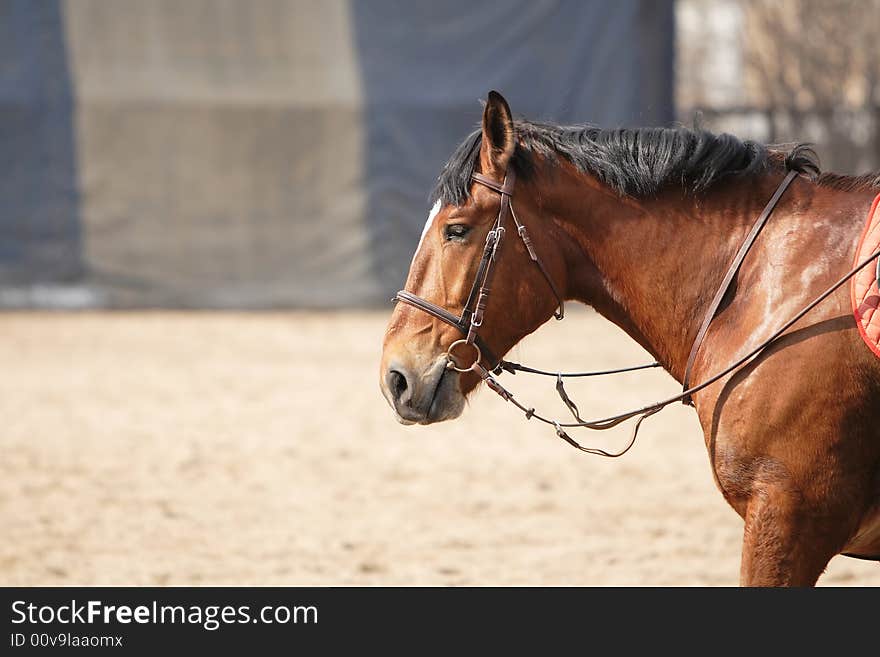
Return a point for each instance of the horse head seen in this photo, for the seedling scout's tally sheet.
(460, 240)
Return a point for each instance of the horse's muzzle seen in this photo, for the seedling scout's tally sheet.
(423, 398)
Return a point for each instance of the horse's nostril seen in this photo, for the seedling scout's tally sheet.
(397, 384)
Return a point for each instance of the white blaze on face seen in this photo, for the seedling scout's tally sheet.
(434, 212)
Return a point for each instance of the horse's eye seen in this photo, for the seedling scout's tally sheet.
(456, 231)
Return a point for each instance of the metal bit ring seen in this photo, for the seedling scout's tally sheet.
(452, 363)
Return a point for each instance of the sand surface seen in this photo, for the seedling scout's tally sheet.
(205, 448)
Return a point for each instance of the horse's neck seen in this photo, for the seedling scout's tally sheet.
(652, 266)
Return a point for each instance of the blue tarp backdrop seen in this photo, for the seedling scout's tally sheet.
(275, 153)
(40, 237)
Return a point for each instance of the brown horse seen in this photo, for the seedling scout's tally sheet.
(641, 225)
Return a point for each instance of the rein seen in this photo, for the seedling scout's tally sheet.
(471, 319)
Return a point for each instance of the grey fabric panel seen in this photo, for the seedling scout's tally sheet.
(425, 65)
(295, 52)
(39, 216)
(221, 153)
(224, 206)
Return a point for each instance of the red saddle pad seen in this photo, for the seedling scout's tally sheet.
(865, 295)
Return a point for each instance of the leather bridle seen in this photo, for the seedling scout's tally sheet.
(471, 320)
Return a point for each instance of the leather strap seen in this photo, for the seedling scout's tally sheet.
(505, 187)
(506, 191)
(728, 279)
(527, 240)
(447, 317)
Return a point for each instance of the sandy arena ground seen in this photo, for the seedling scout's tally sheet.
(159, 448)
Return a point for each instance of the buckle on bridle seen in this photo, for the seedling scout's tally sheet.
(499, 235)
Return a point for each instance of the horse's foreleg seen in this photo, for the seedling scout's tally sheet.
(784, 542)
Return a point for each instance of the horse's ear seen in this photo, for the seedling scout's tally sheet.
(499, 140)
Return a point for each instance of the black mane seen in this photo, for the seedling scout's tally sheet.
(637, 162)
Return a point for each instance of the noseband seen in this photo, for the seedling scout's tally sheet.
(471, 318)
